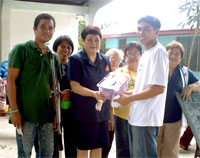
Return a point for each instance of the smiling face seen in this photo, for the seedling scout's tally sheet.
(133, 56)
(44, 30)
(64, 50)
(147, 34)
(91, 43)
(175, 58)
(115, 60)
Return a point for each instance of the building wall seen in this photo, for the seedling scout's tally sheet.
(21, 31)
(197, 74)
(18, 18)
(185, 39)
(163, 39)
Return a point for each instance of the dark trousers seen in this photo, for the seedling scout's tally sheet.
(186, 137)
(69, 134)
(121, 137)
(58, 146)
(105, 151)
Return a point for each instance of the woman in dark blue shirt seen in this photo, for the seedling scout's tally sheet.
(86, 69)
(183, 80)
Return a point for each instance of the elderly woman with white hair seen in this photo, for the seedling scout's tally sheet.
(115, 56)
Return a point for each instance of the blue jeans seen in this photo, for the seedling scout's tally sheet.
(121, 137)
(20, 149)
(143, 141)
(44, 132)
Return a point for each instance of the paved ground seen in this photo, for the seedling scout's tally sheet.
(8, 148)
(182, 153)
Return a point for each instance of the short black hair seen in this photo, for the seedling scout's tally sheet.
(43, 16)
(130, 45)
(59, 40)
(153, 21)
(90, 29)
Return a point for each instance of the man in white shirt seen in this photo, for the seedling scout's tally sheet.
(147, 102)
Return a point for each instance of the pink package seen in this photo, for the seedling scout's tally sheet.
(115, 83)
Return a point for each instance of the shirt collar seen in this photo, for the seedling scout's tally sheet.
(85, 56)
(176, 71)
(33, 45)
(178, 67)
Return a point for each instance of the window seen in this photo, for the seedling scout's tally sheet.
(122, 44)
(195, 59)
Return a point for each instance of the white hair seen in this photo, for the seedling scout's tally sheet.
(117, 51)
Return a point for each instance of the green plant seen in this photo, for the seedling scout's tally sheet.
(81, 26)
(191, 7)
(103, 41)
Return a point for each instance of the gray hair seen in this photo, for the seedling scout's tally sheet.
(117, 51)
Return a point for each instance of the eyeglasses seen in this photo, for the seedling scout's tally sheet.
(133, 55)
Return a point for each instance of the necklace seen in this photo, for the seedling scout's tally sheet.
(131, 82)
(63, 70)
(43, 48)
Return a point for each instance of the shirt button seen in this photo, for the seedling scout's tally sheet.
(40, 54)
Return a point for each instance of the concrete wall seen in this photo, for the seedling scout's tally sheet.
(23, 31)
(93, 7)
(18, 18)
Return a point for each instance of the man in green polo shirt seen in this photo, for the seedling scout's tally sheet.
(29, 89)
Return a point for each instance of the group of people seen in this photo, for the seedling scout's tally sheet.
(146, 124)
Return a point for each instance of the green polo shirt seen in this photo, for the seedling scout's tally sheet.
(34, 82)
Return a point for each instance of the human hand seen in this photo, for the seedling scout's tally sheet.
(97, 96)
(16, 120)
(65, 94)
(111, 125)
(186, 93)
(129, 92)
(123, 100)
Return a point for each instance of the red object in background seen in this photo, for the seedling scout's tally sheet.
(2, 114)
(5, 81)
(186, 138)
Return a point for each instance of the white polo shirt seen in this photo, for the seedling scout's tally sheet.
(152, 70)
